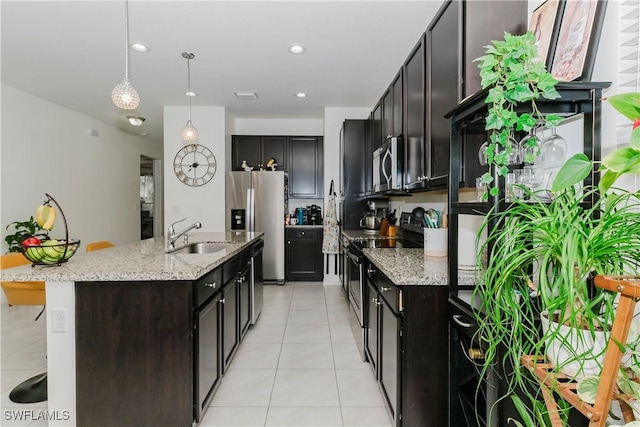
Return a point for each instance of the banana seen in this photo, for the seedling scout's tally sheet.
(50, 218)
(41, 215)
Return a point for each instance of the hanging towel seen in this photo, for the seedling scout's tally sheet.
(330, 229)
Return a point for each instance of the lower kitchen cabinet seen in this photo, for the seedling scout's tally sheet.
(177, 338)
(303, 254)
(407, 345)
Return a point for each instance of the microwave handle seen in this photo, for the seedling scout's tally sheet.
(384, 165)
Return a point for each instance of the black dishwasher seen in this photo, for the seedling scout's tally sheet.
(207, 341)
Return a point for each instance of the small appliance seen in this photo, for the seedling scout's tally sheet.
(314, 215)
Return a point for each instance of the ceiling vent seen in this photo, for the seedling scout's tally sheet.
(246, 96)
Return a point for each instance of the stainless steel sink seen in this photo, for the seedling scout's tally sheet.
(200, 248)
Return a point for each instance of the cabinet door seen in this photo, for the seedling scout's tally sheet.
(397, 90)
(306, 167)
(387, 114)
(368, 156)
(229, 321)
(414, 76)
(245, 301)
(389, 355)
(376, 116)
(207, 352)
(445, 51)
(303, 257)
(276, 147)
(245, 148)
(371, 325)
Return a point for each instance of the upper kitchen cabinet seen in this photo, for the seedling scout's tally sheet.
(377, 137)
(444, 74)
(387, 113)
(257, 150)
(397, 91)
(509, 16)
(306, 167)
(415, 169)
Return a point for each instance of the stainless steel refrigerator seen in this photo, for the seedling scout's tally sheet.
(255, 201)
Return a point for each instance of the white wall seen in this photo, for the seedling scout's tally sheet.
(204, 203)
(47, 148)
(333, 119)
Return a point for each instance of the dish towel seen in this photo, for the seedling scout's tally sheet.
(330, 231)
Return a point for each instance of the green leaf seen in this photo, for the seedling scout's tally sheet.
(587, 388)
(553, 120)
(494, 191)
(551, 94)
(627, 104)
(574, 170)
(523, 411)
(607, 178)
(520, 93)
(622, 160)
(627, 386)
(493, 122)
(526, 122)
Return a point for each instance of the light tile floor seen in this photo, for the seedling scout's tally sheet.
(298, 366)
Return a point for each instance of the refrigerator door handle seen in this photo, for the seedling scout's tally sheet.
(250, 210)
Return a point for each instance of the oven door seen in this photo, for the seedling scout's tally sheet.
(355, 277)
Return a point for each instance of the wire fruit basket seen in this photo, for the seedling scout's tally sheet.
(52, 252)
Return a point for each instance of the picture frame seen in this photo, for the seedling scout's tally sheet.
(545, 25)
(578, 38)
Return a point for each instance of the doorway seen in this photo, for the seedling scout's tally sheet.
(147, 198)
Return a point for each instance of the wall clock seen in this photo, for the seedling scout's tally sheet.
(194, 165)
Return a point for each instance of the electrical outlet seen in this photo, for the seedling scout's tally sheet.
(59, 320)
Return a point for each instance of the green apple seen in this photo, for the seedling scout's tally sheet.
(49, 249)
(33, 255)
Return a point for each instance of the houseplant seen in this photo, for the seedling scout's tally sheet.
(512, 71)
(23, 230)
(542, 254)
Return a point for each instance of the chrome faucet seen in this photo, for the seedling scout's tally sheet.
(173, 236)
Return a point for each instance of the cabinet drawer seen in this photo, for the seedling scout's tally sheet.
(207, 285)
(390, 292)
(309, 233)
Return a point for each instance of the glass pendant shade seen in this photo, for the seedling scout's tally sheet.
(125, 96)
(189, 133)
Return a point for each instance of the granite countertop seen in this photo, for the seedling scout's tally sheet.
(145, 260)
(362, 235)
(411, 267)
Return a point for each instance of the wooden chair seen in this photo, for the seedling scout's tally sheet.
(629, 289)
(102, 244)
(21, 293)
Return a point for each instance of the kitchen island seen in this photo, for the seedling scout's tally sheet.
(123, 329)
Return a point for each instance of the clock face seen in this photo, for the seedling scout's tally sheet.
(194, 165)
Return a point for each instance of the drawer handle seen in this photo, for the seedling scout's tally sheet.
(210, 285)
(371, 270)
(385, 289)
(374, 300)
(457, 317)
(222, 300)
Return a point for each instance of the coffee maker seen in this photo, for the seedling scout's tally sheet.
(314, 215)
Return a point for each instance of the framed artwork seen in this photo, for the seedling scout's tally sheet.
(545, 23)
(578, 39)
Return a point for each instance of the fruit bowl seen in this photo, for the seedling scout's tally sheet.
(51, 252)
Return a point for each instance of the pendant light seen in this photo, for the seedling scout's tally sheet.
(189, 133)
(124, 95)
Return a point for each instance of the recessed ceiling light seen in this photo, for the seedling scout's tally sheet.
(246, 96)
(136, 120)
(190, 93)
(296, 49)
(139, 47)
(301, 95)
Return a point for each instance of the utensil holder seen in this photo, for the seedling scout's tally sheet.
(436, 242)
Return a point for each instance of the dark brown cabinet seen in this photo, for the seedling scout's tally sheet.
(387, 113)
(407, 345)
(257, 150)
(244, 300)
(414, 139)
(444, 73)
(230, 336)
(306, 167)
(397, 91)
(353, 172)
(377, 137)
(207, 354)
(303, 254)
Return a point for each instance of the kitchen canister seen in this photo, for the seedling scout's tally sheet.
(436, 241)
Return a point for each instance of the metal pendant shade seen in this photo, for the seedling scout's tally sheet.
(189, 133)
(124, 95)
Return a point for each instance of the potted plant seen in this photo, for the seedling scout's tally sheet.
(23, 230)
(543, 253)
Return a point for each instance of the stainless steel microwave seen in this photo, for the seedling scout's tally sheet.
(387, 165)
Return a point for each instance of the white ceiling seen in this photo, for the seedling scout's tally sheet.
(72, 53)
